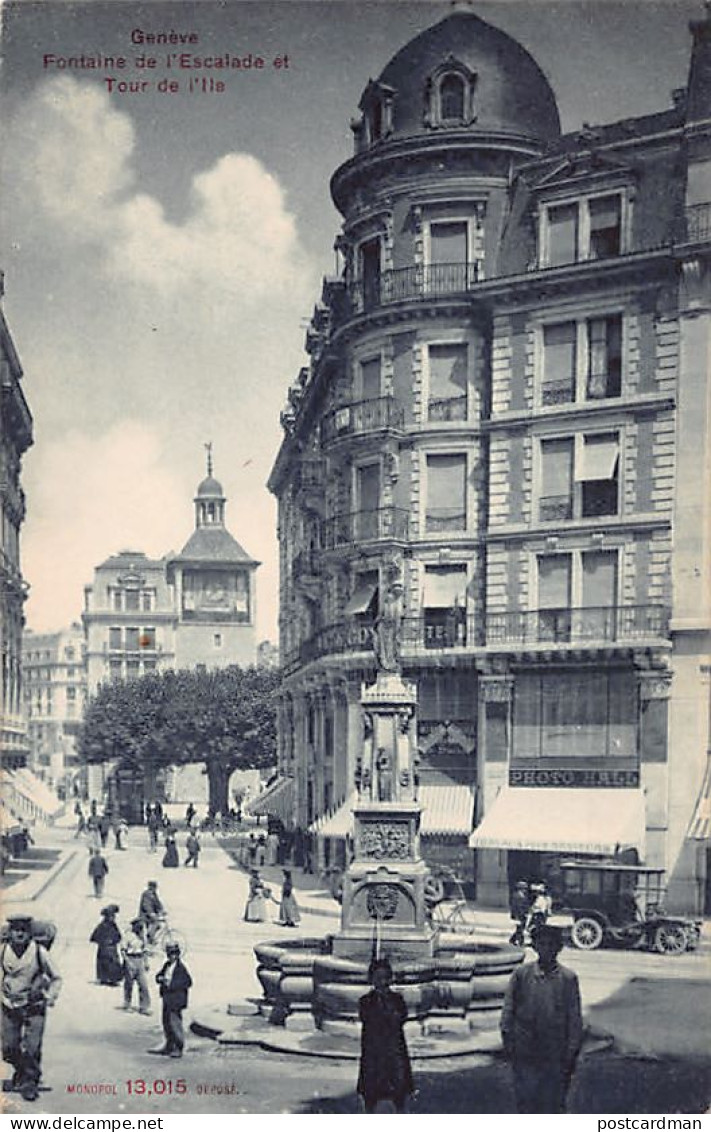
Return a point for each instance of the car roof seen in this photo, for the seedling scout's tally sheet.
(611, 866)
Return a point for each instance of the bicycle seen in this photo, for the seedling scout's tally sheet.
(162, 935)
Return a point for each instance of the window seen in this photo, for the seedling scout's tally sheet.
(131, 640)
(558, 384)
(579, 477)
(370, 379)
(117, 602)
(369, 264)
(449, 242)
(133, 669)
(604, 376)
(114, 638)
(69, 653)
(597, 472)
(447, 382)
(446, 493)
(572, 715)
(605, 226)
(577, 595)
(149, 665)
(217, 640)
(562, 234)
(147, 601)
(444, 605)
(71, 693)
(556, 496)
(367, 487)
(375, 120)
(132, 601)
(590, 228)
(452, 98)
(147, 639)
(554, 593)
(115, 669)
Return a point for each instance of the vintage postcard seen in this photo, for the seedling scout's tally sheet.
(355, 472)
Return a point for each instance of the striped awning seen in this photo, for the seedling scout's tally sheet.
(277, 799)
(700, 825)
(447, 811)
(561, 820)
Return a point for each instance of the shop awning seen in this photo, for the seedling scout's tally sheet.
(277, 800)
(563, 821)
(444, 589)
(600, 456)
(361, 599)
(700, 826)
(447, 810)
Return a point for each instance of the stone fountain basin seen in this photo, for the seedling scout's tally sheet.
(464, 976)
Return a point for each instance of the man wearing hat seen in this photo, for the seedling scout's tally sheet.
(30, 983)
(541, 1027)
(150, 909)
(134, 968)
(174, 981)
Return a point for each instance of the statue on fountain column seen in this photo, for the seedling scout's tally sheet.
(384, 776)
(387, 630)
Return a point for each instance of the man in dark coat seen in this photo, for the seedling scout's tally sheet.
(385, 1072)
(519, 905)
(98, 868)
(541, 1027)
(151, 910)
(174, 981)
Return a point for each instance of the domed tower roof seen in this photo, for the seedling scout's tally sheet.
(510, 93)
(210, 487)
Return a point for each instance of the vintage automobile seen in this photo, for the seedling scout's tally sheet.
(622, 905)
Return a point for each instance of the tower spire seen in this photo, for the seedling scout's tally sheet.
(208, 449)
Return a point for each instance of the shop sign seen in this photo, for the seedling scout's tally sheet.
(572, 777)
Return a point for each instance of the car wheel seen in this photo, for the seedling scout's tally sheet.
(586, 933)
(670, 939)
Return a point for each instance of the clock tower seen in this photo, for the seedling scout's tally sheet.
(213, 579)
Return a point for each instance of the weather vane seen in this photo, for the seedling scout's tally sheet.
(208, 449)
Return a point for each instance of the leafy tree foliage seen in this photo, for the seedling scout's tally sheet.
(224, 718)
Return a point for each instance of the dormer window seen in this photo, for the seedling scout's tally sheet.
(591, 228)
(451, 98)
(377, 109)
(449, 95)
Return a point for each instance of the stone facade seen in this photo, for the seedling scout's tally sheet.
(507, 407)
(15, 439)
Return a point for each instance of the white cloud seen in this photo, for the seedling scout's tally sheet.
(91, 496)
(76, 162)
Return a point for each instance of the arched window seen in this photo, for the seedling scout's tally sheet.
(451, 98)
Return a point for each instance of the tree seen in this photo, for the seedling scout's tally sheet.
(224, 718)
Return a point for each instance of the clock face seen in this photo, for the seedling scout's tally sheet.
(214, 590)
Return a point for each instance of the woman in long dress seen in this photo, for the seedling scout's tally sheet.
(106, 936)
(256, 910)
(288, 909)
(170, 857)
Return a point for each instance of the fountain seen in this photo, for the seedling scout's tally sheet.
(452, 983)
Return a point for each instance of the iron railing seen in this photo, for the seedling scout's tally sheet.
(364, 526)
(414, 282)
(447, 408)
(360, 417)
(611, 623)
(698, 221)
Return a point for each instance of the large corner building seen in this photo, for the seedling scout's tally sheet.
(507, 407)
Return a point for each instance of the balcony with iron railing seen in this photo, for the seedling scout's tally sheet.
(415, 282)
(419, 635)
(447, 408)
(351, 528)
(698, 222)
(564, 626)
(359, 418)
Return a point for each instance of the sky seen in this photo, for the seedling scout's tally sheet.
(163, 250)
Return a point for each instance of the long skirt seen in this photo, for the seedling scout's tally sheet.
(170, 857)
(109, 968)
(256, 910)
(289, 911)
